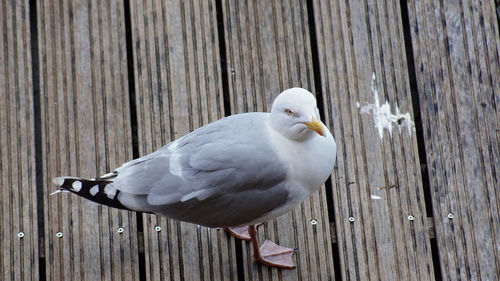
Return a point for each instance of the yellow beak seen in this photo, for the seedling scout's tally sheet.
(316, 126)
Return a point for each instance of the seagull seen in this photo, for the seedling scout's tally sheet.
(234, 173)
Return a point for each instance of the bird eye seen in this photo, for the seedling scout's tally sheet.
(289, 112)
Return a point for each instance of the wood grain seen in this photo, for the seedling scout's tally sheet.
(85, 132)
(356, 39)
(456, 48)
(268, 51)
(178, 89)
(18, 225)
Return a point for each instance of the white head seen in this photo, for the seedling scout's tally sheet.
(295, 115)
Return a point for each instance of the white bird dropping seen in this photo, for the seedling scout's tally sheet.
(382, 115)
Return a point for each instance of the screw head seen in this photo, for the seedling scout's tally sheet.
(120, 230)
(314, 222)
(450, 216)
(351, 219)
(158, 228)
(410, 218)
(59, 234)
(20, 234)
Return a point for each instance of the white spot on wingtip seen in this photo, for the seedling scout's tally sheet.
(58, 191)
(93, 191)
(58, 181)
(76, 186)
(110, 191)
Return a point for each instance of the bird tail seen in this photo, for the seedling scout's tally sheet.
(99, 190)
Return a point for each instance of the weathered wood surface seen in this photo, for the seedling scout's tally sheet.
(356, 39)
(19, 247)
(457, 60)
(85, 131)
(104, 72)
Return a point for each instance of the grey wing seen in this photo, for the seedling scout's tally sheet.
(215, 176)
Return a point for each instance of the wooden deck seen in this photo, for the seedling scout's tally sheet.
(88, 85)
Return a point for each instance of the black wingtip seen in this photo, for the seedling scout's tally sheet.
(96, 190)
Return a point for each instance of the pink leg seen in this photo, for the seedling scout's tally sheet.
(270, 253)
(240, 232)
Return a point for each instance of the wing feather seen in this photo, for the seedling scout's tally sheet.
(221, 165)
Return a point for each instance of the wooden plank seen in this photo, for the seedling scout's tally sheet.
(267, 50)
(356, 39)
(456, 47)
(85, 132)
(18, 225)
(178, 89)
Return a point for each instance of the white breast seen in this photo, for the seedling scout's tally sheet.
(311, 162)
